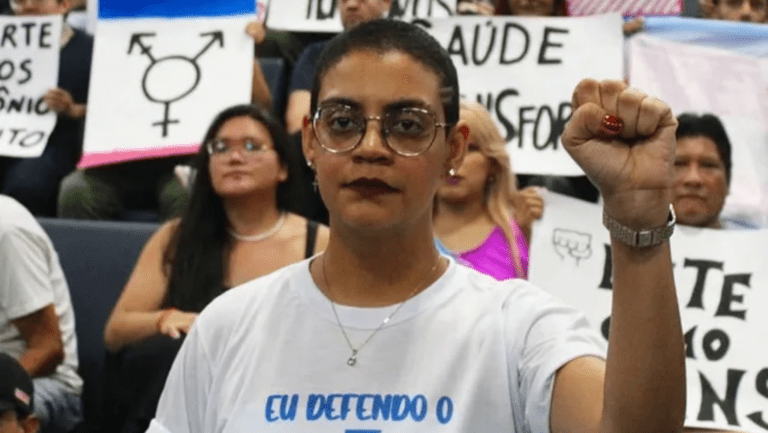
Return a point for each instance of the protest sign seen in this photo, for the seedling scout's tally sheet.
(730, 85)
(29, 68)
(524, 71)
(323, 15)
(630, 8)
(722, 280)
(161, 72)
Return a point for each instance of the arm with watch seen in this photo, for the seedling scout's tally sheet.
(625, 142)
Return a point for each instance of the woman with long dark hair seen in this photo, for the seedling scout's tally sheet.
(235, 229)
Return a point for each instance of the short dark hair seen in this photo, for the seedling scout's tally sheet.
(195, 258)
(386, 35)
(690, 125)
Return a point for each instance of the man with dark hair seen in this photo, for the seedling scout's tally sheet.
(702, 172)
(16, 398)
(35, 181)
(353, 12)
(754, 11)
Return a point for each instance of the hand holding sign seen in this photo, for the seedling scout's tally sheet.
(61, 101)
(256, 30)
(631, 166)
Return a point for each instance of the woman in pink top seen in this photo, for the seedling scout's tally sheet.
(480, 215)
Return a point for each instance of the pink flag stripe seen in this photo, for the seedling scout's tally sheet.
(95, 159)
(625, 7)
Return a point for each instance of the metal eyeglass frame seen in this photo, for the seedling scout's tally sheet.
(384, 133)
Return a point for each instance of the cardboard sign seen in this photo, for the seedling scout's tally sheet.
(29, 68)
(737, 95)
(161, 75)
(524, 71)
(323, 15)
(721, 278)
(625, 7)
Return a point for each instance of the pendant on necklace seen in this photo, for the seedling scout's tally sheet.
(352, 358)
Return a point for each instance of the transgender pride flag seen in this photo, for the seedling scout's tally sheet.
(625, 7)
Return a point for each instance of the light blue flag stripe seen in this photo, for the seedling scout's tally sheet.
(745, 38)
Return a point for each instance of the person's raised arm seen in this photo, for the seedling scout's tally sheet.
(137, 314)
(260, 93)
(296, 109)
(641, 387)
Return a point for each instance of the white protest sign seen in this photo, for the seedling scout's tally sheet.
(29, 67)
(524, 71)
(323, 15)
(157, 84)
(735, 91)
(722, 287)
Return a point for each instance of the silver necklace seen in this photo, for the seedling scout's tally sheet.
(352, 360)
(261, 236)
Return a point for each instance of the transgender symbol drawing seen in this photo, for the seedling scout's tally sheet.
(170, 78)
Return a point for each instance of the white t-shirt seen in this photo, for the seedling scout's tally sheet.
(31, 279)
(468, 354)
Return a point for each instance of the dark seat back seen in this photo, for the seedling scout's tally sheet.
(97, 257)
(275, 74)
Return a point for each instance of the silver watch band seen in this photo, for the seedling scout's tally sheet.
(640, 238)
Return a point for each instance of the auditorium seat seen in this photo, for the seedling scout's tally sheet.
(276, 75)
(97, 258)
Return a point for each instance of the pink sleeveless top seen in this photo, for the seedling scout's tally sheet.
(493, 258)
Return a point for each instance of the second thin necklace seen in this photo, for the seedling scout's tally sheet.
(352, 360)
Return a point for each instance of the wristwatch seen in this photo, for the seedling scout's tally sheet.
(640, 238)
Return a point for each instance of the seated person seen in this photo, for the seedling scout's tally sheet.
(235, 229)
(753, 11)
(16, 398)
(352, 12)
(480, 216)
(37, 324)
(702, 172)
(35, 181)
(105, 192)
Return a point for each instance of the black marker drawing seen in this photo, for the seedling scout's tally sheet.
(184, 84)
(573, 244)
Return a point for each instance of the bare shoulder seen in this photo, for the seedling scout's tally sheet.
(297, 226)
(294, 226)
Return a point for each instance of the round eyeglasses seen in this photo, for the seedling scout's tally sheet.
(250, 147)
(408, 131)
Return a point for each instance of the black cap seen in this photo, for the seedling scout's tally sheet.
(16, 390)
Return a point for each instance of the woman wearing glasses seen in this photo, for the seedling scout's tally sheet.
(235, 229)
(479, 214)
(382, 334)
